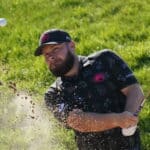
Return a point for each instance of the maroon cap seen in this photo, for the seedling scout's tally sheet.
(52, 36)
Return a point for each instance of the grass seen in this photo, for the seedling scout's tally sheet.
(123, 26)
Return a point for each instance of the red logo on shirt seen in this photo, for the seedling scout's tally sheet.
(99, 77)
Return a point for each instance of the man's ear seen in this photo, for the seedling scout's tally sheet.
(72, 45)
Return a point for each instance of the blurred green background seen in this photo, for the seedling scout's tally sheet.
(123, 26)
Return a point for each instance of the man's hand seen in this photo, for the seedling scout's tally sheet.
(127, 119)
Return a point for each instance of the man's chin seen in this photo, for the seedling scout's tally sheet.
(56, 72)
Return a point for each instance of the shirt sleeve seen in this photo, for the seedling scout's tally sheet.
(56, 104)
(120, 71)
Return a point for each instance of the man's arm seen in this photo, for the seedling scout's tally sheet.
(94, 122)
(86, 121)
(134, 95)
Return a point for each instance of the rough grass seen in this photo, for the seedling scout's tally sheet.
(123, 26)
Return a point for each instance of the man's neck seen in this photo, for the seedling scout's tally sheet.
(75, 69)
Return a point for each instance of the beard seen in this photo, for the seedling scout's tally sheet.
(65, 66)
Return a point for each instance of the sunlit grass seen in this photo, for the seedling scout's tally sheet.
(123, 26)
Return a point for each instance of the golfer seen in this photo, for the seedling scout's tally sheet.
(94, 95)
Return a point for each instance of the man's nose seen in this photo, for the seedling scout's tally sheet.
(51, 58)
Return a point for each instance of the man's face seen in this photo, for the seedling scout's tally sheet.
(59, 58)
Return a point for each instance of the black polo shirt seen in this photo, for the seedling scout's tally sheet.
(96, 88)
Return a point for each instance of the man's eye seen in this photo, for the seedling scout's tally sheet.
(56, 50)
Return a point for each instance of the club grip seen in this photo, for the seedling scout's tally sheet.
(129, 131)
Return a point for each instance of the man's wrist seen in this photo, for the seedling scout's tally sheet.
(116, 119)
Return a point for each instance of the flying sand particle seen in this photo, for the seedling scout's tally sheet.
(1, 83)
(32, 117)
(12, 86)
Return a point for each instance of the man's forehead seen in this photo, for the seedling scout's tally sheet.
(50, 47)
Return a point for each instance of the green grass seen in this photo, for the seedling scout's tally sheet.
(123, 26)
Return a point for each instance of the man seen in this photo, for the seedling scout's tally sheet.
(96, 95)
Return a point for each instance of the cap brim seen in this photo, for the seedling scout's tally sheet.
(38, 51)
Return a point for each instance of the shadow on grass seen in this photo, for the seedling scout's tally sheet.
(142, 61)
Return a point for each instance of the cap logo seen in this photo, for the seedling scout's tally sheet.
(67, 38)
(44, 38)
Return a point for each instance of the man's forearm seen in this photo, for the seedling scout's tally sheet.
(94, 122)
(88, 122)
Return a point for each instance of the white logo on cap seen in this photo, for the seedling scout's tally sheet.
(68, 38)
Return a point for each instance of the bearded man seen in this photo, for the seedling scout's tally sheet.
(94, 95)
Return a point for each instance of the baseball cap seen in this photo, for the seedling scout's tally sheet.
(52, 36)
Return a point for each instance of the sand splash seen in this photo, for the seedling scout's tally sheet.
(35, 123)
